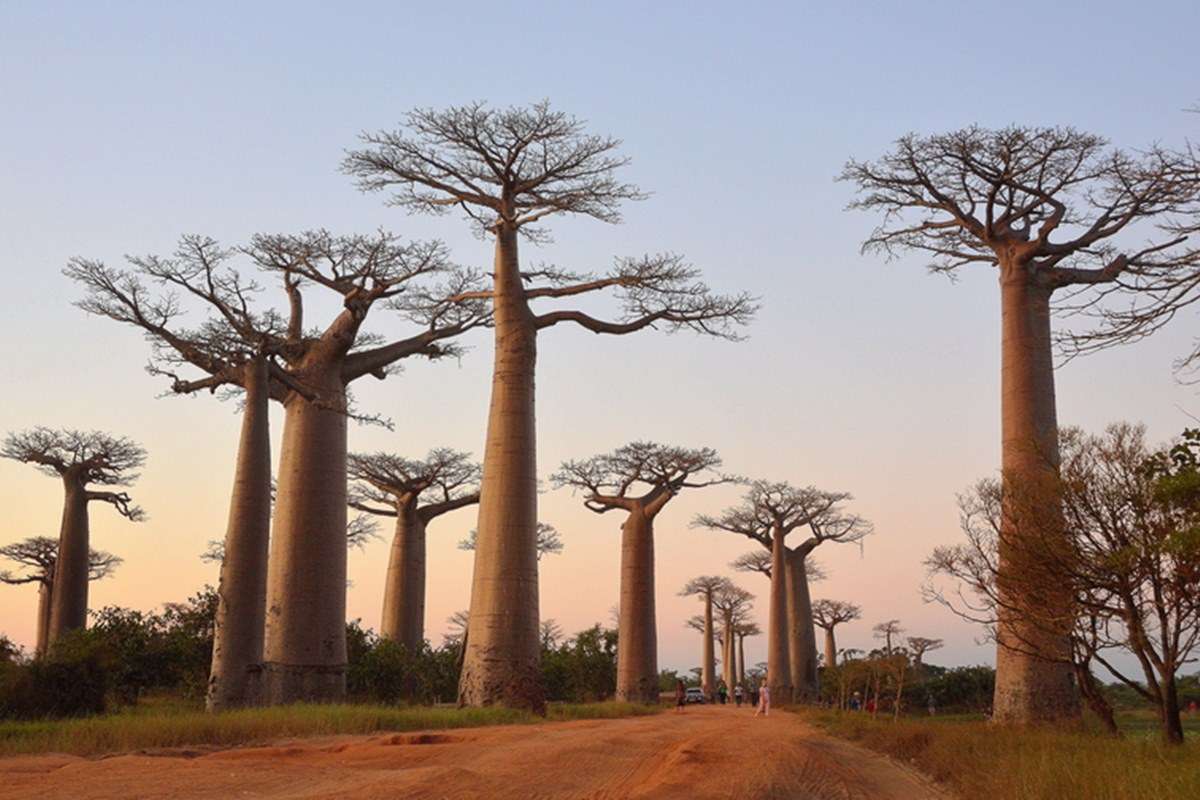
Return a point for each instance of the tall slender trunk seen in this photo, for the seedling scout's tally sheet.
(741, 676)
(43, 617)
(729, 665)
(69, 594)
(1169, 711)
(708, 678)
(242, 591)
(1037, 685)
(404, 591)
(1093, 695)
(637, 636)
(305, 647)
(830, 649)
(501, 661)
(779, 671)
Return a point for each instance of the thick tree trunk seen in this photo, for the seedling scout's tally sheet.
(43, 617)
(741, 676)
(305, 647)
(1172, 723)
(1093, 695)
(404, 591)
(1034, 679)
(501, 661)
(637, 636)
(242, 591)
(69, 593)
(779, 671)
(728, 656)
(708, 676)
(830, 649)
(802, 636)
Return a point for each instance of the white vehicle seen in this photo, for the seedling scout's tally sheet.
(693, 695)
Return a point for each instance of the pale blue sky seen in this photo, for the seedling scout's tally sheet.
(127, 124)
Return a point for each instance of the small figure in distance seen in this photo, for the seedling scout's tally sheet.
(680, 696)
(764, 700)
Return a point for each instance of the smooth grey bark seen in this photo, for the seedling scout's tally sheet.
(43, 618)
(830, 649)
(741, 671)
(637, 632)
(304, 653)
(708, 677)
(779, 677)
(802, 637)
(404, 590)
(69, 592)
(500, 665)
(1029, 687)
(728, 654)
(242, 590)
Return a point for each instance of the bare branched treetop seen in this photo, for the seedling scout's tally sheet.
(887, 631)
(83, 458)
(549, 542)
(385, 484)
(760, 561)
(507, 170)
(1059, 204)
(362, 269)
(733, 600)
(747, 628)
(458, 627)
(828, 614)
(37, 556)
(769, 508)
(920, 645)
(705, 586)
(642, 473)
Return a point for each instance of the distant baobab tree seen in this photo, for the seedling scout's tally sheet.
(828, 614)
(918, 646)
(887, 631)
(742, 630)
(509, 171)
(1054, 210)
(706, 587)
(733, 604)
(414, 492)
(767, 514)
(36, 556)
(639, 479)
(81, 460)
(549, 541)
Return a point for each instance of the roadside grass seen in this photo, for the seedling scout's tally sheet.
(168, 722)
(976, 759)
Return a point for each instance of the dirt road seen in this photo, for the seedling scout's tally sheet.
(709, 752)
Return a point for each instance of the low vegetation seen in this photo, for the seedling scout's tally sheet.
(975, 759)
(162, 722)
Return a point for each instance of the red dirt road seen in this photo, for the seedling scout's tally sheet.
(709, 752)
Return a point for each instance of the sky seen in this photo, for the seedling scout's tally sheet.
(126, 125)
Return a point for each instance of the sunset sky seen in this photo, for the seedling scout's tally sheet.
(129, 124)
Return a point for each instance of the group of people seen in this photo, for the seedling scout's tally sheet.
(759, 696)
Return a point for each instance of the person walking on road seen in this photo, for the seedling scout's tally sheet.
(764, 700)
(680, 696)
(738, 694)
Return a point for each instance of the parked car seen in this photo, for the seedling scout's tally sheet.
(693, 695)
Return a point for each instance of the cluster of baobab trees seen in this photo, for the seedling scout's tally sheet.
(1056, 211)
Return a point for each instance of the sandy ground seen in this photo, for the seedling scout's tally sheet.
(709, 752)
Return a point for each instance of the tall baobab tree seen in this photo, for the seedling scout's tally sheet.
(828, 614)
(733, 603)
(1055, 210)
(81, 460)
(549, 542)
(706, 587)
(918, 646)
(509, 171)
(36, 555)
(767, 514)
(887, 630)
(268, 356)
(639, 479)
(415, 492)
(742, 630)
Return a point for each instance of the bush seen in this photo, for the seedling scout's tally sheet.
(73, 682)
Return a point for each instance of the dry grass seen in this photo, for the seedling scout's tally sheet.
(167, 723)
(978, 760)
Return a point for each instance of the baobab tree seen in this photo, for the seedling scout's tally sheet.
(767, 514)
(549, 541)
(414, 492)
(733, 603)
(268, 356)
(706, 587)
(81, 460)
(36, 556)
(509, 171)
(918, 646)
(1055, 210)
(887, 630)
(639, 479)
(828, 614)
(742, 630)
